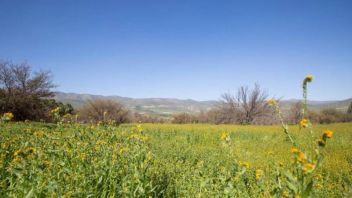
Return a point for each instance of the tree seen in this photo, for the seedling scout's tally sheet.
(103, 110)
(295, 113)
(24, 93)
(184, 118)
(331, 115)
(63, 108)
(249, 106)
(349, 110)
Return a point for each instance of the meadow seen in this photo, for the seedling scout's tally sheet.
(169, 160)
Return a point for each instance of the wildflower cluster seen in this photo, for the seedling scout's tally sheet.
(6, 117)
(304, 123)
(301, 183)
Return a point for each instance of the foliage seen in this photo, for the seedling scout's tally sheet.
(24, 93)
(165, 160)
(299, 179)
(349, 110)
(162, 160)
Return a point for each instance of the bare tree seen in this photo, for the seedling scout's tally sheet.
(227, 110)
(248, 106)
(295, 113)
(184, 118)
(23, 93)
(253, 104)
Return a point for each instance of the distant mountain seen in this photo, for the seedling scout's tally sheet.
(152, 106)
(165, 107)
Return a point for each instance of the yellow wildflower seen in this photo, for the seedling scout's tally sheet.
(304, 123)
(308, 78)
(294, 150)
(271, 102)
(307, 167)
(39, 133)
(224, 136)
(8, 116)
(328, 134)
(17, 153)
(258, 174)
(318, 186)
(56, 110)
(31, 150)
(301, 157)
(16, 160)
(285, 193)
(245, 164)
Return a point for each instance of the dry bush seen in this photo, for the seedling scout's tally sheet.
(330, 116)
(184, 118)
(295, 113)
(142, 118)
(103, 111)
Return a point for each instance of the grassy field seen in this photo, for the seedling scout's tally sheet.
(165, 160)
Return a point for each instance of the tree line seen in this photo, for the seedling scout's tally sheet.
(28, 95)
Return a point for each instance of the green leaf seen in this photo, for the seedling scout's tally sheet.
(29, 194)
(292, 187)
(308, 189)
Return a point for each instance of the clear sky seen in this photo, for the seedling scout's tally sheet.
(183, 48)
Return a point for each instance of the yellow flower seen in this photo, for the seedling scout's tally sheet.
(304, 123)
(56, 110)
(224, 136)
(139, 128)
(17, 153)
(308, 78)
(294, 150)
(298, 196)
(318, 186)
(271, 102)
(301, 157)
(285, 193)
(16, 160)
(270, 152)
(258, 174)
(8, 116)
(39, 133)
(307, 167)
(328, 134)
(31, 150)
(245, 164)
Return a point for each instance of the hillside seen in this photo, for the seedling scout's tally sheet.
(151, 106)
(168, 106)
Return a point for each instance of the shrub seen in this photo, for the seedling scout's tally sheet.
(24, 93)
(103, 111)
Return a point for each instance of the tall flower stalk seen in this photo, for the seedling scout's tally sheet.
(300, 180)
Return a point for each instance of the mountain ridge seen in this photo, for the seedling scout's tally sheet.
(169, 106)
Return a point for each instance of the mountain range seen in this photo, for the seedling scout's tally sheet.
(166, 107)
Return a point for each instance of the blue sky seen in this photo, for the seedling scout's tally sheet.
(184, 48)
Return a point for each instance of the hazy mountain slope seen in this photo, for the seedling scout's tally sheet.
(169, 106)
(154, 106)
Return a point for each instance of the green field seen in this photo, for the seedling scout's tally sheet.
(165, 160)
